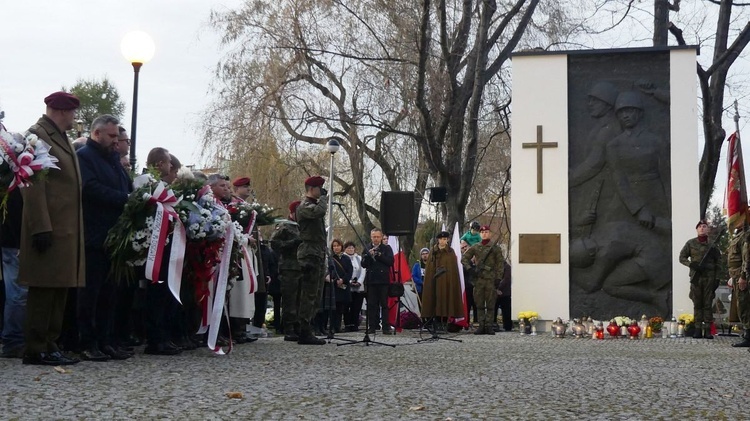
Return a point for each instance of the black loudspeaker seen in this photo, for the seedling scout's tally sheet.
(397, 212)
(438, 194)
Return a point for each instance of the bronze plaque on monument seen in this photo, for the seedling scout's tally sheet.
(539, 248)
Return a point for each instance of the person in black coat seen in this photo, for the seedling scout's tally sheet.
(377, 259)
(340, 271)
(503, 300)
(274, 285)
(105, 191)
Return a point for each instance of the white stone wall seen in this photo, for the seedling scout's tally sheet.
(540, 93)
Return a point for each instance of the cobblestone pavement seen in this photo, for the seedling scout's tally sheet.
(506, 376)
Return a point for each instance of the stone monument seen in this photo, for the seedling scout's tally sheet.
(619, 132)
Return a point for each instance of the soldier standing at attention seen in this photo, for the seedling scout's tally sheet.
(285, 241)
(489, 267)
(703, 259)
(742, 292)
(311, 255)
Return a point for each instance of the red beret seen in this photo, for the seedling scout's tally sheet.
(485, 228)
(241, 181)
(62, 101)
(293, 206)
(315, 181)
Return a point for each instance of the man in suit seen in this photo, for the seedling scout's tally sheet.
(52, 255)
(377, 259)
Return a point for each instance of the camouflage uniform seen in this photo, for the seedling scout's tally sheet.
(743, 297)
(311, 255)
(285, 241)
(489, 269)
(703, 284)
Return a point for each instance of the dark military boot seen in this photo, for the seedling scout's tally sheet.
(307, 338)
(698, 333)
(745, 342)
(707, 331)
(480, 330)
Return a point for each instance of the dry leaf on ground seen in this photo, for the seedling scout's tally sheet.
(235, 395)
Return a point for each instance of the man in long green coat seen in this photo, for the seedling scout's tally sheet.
(52, 255)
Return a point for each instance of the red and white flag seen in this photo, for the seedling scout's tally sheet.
(735, 196)
(456, 246)
(400, 272)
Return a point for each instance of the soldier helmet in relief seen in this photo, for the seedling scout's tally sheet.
(629, 99)
(604, 91)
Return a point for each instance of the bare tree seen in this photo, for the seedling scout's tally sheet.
(713, 83)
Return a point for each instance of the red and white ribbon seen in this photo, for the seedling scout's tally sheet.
(221, 292)
(165, 200)
(248, 265)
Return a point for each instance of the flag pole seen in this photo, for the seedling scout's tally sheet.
(736, 119)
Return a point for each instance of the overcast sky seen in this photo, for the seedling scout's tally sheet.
(45, 44)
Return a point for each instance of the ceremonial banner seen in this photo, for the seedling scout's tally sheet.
(456, 246)
(735, 195)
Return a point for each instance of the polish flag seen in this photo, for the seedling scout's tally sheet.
(400, 272)
(456, 246)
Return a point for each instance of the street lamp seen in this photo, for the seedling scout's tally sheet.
(332, 147)
(79, 127)
(138, 48)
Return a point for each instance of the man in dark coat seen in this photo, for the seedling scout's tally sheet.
(311, 254)
(377, 259)
(52, 255)
(105, 192)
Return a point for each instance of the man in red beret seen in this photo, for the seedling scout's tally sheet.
(285, 241)
(311, 254)
(52, 244)
(489, 267)
(241, 186)
(704, 260)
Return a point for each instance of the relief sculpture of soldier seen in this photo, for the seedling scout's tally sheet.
(591, 179)
(639, 165)
(620, 206)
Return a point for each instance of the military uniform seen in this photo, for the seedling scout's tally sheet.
(311, 255)
(490, 266)
(743, 297)
(285, 241)
(704, 279)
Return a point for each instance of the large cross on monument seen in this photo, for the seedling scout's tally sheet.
(539, 145)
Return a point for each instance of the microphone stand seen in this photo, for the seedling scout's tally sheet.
(366, 339)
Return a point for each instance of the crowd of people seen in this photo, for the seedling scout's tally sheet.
(63, 303)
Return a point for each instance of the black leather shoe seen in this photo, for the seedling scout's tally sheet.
(291, 338)
(185, 344)
(12, 353)
(49, 358)
(310, 340)
(479, 331)
(164, 348)
(94, 354)
(115, 353)
(64, 359)
(745, 343)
